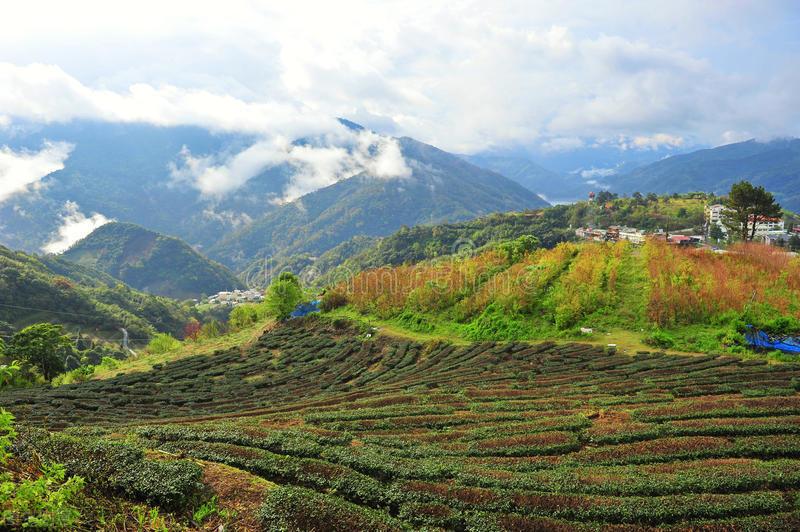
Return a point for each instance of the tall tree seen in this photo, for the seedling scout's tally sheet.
(43, 345)
(283, 295)
(746, 205)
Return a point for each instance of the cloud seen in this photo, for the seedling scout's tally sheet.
(597, 172)
(318, 163)
(22, 171)
(654, 142)
(462, 75)
(74, 226)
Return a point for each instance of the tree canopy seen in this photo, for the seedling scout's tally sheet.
(43, 345)
(746, 205)
(283, 295)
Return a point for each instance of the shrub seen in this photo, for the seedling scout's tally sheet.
(333, 299)
(242, 316)
(162, 343)
(44, 502)
(118, 467)
(660, 339)
(293, 509)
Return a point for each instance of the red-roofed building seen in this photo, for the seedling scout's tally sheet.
(679, 240)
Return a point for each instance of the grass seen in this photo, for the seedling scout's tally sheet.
(145, 361)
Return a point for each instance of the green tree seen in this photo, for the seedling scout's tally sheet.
(44, 346)
(716, 233)
(794, 242)
(283, 295)
(746, 204)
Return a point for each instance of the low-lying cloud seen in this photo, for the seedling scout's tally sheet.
(315, 164)
(74, 226)
(21, 171)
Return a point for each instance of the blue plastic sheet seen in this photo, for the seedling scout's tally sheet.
(762, 340)
(304, 309)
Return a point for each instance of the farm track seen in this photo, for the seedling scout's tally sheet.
(480, 437)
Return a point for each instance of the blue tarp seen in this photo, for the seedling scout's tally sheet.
(304, 309)
(760, 339)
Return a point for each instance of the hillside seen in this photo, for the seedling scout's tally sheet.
(775, 165)
(550, 226)
(52, 289)
(379, 433)
(553, 186)
(442, 187)
(151, 262)
(685, 299)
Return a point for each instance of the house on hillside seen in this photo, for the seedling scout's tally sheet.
(765, 225)
(237, 297)
(632, 235)
(588, 233)
(680, 240)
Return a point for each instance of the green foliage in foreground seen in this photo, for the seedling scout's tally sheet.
(44, 502)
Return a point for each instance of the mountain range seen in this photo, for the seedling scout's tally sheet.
(441, 187)
(125, 172)
(774, 164)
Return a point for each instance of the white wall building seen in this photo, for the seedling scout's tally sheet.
(765, 226)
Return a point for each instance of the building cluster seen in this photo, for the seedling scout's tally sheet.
(769, 230)
(236, 297)
(635, 236)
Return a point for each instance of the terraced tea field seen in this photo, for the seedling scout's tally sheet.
(374, 433)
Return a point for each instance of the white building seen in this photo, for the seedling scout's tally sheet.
(765, 226)
(632, 235)
(236, 297)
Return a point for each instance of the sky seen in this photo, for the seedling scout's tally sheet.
(465, 76)
(547, 77)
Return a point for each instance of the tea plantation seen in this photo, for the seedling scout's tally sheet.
(362, 431)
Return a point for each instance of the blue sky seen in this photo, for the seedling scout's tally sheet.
(463, 75)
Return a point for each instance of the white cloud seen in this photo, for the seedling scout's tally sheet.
(597, 172)
(463, 75)
(323, 162)
(21, 171)
(654, 142)
(74, 226)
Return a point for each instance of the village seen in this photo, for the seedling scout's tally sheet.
(768, 230)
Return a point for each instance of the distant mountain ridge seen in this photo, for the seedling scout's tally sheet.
(151, 262)
(551, 185)
(442, 188)
(774, 164)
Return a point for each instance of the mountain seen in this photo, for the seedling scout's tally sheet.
(774, 165)
(123, 172)
(151, 262)
(52, 289)
(551, 185)
(442, 187)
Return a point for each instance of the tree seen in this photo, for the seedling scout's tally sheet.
(283, 295)
(43, 345)
(794, 242)
(191, 331)
(716, 233)
(746, 205)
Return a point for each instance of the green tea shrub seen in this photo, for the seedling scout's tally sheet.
(293, 509)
